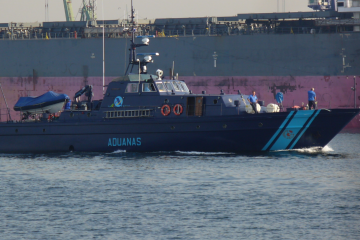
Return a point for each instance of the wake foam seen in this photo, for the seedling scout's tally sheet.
(315, 150)
(202, 153)
(118, 151)
(328, 149)
(309, 150)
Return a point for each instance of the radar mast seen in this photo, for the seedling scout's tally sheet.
(133, 61)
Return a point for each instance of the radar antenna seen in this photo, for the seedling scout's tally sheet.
(133, 61)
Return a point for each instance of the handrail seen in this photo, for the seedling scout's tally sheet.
(322, 26)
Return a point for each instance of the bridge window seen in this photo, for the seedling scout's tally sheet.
(148, 87)
(169, 86)
(183, 84)
(177, 87)
(161, 87)
(132, 88)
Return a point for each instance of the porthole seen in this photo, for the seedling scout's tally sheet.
(198, 126)
(88, 114)
(172, 127)
(215, 101)
(71, 114)
(166, 101)
(260, 124)
(224, 126)
(44, 130)
(16, 130)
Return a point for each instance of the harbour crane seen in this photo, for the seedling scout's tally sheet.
(88, 10)
(69, 15)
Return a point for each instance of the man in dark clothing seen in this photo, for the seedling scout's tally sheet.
(253, 101)
(312, 98)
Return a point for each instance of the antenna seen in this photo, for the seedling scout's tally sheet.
(132, 57)
(172, 70)
(284, 5)
(103, 46)
(46, 10)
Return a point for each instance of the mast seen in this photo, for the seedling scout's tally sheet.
(132, 56)
(145, 42)
(103, 47)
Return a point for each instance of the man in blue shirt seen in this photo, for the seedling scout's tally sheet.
(67, 104)
(253, 101)
(312, 98)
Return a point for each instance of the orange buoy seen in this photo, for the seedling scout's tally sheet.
(165, 110)
(178, 109)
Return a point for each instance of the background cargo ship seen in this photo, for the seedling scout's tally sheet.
(268, 53)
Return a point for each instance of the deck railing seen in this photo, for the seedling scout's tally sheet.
(129, 113)
(321, 29)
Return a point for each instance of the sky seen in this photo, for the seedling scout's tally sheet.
(34, 10)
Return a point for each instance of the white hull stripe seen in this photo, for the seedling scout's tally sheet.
(302, 131)
(278, 131)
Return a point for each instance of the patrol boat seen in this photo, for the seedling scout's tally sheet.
(142, 112)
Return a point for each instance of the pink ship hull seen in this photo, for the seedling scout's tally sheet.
(331, 91)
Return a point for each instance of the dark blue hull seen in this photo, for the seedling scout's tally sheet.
(239, 133)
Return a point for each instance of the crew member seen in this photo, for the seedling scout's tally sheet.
(253, 101)
(67, 104)
(312, 98)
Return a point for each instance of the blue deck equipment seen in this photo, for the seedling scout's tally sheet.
(49, 98)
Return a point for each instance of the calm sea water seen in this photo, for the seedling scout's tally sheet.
(305, 194)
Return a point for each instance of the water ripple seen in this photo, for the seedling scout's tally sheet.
(300, 194)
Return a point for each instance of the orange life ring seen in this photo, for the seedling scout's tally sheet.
(178, 109)
(165, 110)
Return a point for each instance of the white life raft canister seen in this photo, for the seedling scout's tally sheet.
(272, 108)
(249, 108)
